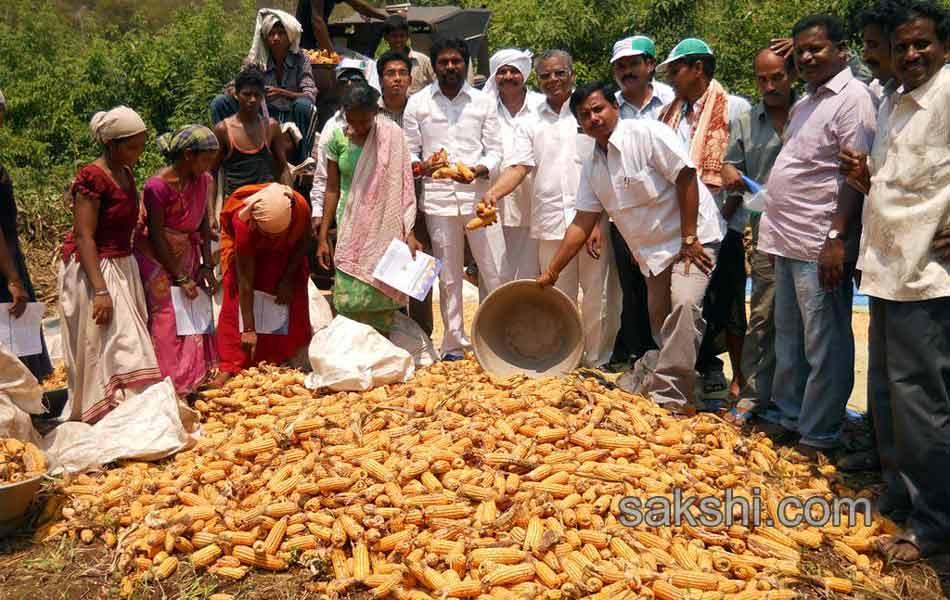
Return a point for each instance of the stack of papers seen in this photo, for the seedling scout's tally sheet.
(22, 336)
(269, 317)
(192, 316)
(413, 277)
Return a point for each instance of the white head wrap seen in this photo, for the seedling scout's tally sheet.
(266, 19)
(119, 122)
(519, 59)
(3, 101)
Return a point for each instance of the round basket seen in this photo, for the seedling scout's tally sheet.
(524, 328)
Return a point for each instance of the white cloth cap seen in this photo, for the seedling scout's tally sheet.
(266, 19)
(519, 59)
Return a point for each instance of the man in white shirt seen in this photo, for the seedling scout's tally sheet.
(510, 69)
(641, 173)
(552, 150)
(905, 270)
(452, 115)
(633, 63)
(701, 114)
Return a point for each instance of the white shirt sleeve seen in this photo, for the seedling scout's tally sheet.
(319, 189)
(410, 125)
(668, 154)
(491, 139)
(587, 200)
(522, 151)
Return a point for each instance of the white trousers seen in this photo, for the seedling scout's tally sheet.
(448, 245)
(522, 254)
(601, 301)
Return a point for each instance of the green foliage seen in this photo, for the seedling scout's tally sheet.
(57, 70)
(735, 29)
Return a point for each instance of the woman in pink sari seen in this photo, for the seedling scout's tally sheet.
(173, 249)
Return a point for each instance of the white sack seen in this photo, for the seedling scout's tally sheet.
(407, 335)
(145, 427)
(320, 312)
(20, 396)
(353, 357)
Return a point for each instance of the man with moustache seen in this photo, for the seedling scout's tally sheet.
(510, 69)
(551, 149)
(633, 63)
(905, 264)
(701, 114)
(810, 226)
(874, 24)
(755, 139)
(452, 115)
(640, 172)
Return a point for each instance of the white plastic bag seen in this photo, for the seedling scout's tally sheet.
(353, 357)
(407, 334)
(146, 427)
(320, 312)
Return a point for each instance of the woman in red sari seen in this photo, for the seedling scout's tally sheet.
(265, 234)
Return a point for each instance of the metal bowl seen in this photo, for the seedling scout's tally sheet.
(524, 328)
(15, 499)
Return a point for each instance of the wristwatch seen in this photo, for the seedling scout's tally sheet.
(689, 240)
(834, 234)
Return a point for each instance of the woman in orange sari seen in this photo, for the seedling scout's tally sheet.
(265, 234)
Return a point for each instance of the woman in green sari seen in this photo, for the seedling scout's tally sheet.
(370, 192)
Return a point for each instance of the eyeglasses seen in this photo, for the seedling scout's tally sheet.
(559, 74)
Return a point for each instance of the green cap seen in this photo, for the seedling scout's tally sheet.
(688, 47)
(633, 46)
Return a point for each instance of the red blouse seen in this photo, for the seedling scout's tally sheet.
(118, 213)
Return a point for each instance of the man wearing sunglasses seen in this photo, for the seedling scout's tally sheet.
(553, 147)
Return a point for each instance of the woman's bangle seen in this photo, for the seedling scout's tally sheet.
(182, 279)
(104, 292)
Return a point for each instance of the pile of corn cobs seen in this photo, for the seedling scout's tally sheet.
(460, 485)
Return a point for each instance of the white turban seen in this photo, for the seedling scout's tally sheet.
(519, 59)
(120, 122)
(266, 19)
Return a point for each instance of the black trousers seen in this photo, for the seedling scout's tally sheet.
(909, 394)
(726, 288)
(634, 338)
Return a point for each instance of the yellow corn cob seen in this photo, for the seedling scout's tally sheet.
(268, 562)
(201, 512)
(189, 499)
(551, 434)
(300, 542)
(509, 575)
(277, 510)
(450, 511)
(464, 589)
(663, 590)
(360, 560)
(258, 446)
(501, 556)
(275, 536)
(377, 471)
(220, 597)
(784, 594)
(806, 537)
(546, 575)
(234, 573)
(333, 484)
(387, 587)
(202, 539)
(166, 568)
(205, 556)
(284, 486)
(695, 580)
(389, 542)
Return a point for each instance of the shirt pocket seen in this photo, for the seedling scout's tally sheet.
(636, 190)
